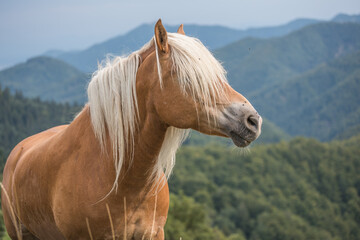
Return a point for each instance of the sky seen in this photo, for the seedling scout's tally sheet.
(30, 28)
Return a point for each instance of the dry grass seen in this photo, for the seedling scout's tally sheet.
(125, 218)
(111, 222)
(16, 224)
(153, 223)
(88, 227)
(125, 222)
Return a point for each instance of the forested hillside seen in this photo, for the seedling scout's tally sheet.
(302, 189)
(21, 117)
(47, 78)
(321, 103)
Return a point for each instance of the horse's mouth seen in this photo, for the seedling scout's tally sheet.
(238, 140)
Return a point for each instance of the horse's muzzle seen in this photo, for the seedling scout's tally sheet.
(241, 123)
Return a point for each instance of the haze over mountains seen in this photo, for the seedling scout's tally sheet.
(300, 80)
(212, 36)
(254, 64)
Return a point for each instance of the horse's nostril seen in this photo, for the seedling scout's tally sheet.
(253, 121)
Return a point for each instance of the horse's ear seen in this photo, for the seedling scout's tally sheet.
(161, 37)
(181, 29)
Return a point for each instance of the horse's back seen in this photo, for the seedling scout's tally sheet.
(18, 169)
(25, 146)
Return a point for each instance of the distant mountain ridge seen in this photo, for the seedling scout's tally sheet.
(254, 64)
(346, 18)
(212, 36)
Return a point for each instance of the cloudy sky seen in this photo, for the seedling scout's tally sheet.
(29, 28)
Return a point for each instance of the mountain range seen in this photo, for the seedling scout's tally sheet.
(212, 36)
(254, 64)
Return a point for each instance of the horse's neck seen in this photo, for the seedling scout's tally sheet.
(148, 140)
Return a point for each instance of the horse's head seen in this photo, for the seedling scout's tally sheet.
(189, 89)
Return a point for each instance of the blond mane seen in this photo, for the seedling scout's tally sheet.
(113, 102)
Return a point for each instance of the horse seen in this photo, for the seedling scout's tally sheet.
(104, 176)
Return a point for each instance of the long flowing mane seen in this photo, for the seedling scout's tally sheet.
(113, 102)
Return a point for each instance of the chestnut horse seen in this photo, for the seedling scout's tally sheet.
(103, 176)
